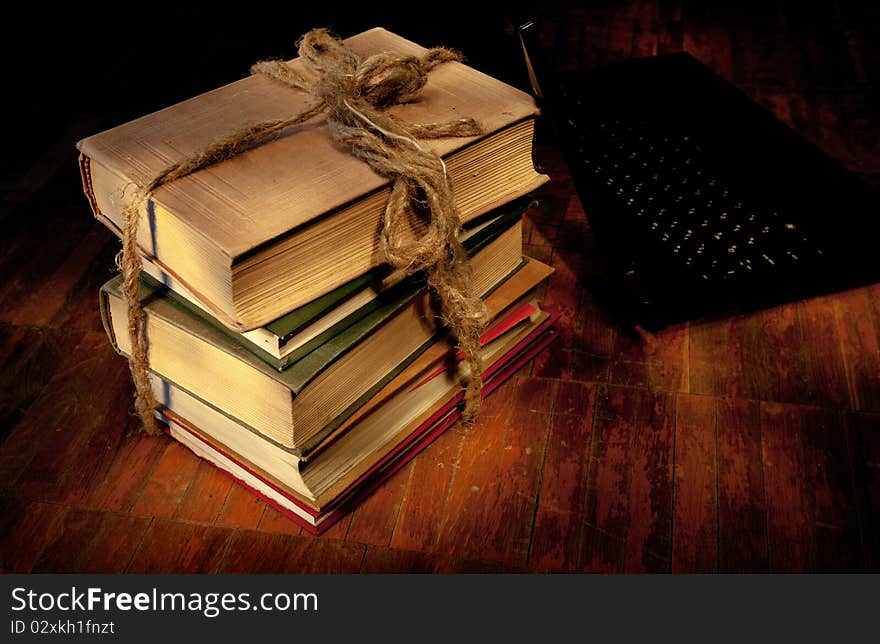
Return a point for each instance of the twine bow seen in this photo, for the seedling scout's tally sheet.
(353, 93)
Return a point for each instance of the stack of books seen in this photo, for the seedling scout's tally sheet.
(281, 347)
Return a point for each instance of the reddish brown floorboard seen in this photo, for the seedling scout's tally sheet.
(742, 444)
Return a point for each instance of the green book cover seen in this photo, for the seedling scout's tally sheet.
(371, 314)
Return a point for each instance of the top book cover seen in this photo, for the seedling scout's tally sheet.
(268, 230)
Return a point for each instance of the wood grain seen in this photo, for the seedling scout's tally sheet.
(495, 488)
(742, 512)
(180, 547)
(695, 543)
(629, 498)
(559, 515)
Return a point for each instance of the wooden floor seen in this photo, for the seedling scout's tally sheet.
(744, 444)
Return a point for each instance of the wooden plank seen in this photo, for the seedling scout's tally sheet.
(715, 364)
(90, 464)
(620, 32)
(709, 42)
(49, 442)
(814, 30)
(338, 530)
(607, 501)
(80, 309)
(73, 541)
(19, 384)
(813, 514)
(46, 300)
(241, 509)
(433, 471)
(114, 544)
(129, 472)
(308, 555)
(658, 362)
(825, 367)
(563, 295)
(494, 492)
(25, 529)
(742, 513)
(176, 547)
(695, 537)
(857, 325)
(430, 476)
(167, 482)
(628, 510)
(252, 552)
(789, 518)
(574, 233)
(644, 40)
(26, 268)
(864, 430)
(595, 333)
(472, 566)
(581, 366)
(764, 57)
(31, 358)
(89, 541)
(847, 128)
(828, 483)
(205, 496)
(553, 362)
(861, 46)
(670, 37)
(274, 521)
(259, 552)
(601, 552)
(385, 560)
(649, 534)
(373, 521)
(773, 356)
(559, 517)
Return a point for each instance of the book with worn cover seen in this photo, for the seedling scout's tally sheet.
(410, 414)
(300, 405)
(322, 466)
(268, 231)
(292, 337)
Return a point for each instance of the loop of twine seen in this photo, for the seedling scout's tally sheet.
(353, 93)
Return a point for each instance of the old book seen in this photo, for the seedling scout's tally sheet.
(317, 492)
(290, 338)
(300, 404)
(280, 225)
(505, 333)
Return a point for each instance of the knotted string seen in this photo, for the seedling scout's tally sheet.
(354, 94)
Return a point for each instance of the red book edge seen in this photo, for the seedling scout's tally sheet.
(522, 312)
(445, 417)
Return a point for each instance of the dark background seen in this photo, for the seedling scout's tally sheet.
(84, 59)
(114, 64)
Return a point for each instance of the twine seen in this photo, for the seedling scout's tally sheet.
(353, 93)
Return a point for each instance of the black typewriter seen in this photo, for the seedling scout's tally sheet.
(701, 201)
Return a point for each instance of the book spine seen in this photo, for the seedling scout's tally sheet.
(104, 306)
(85, 172)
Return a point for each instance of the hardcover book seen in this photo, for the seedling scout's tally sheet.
(298, 406)
(411, 413)
(290, 338)
(268, 231)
